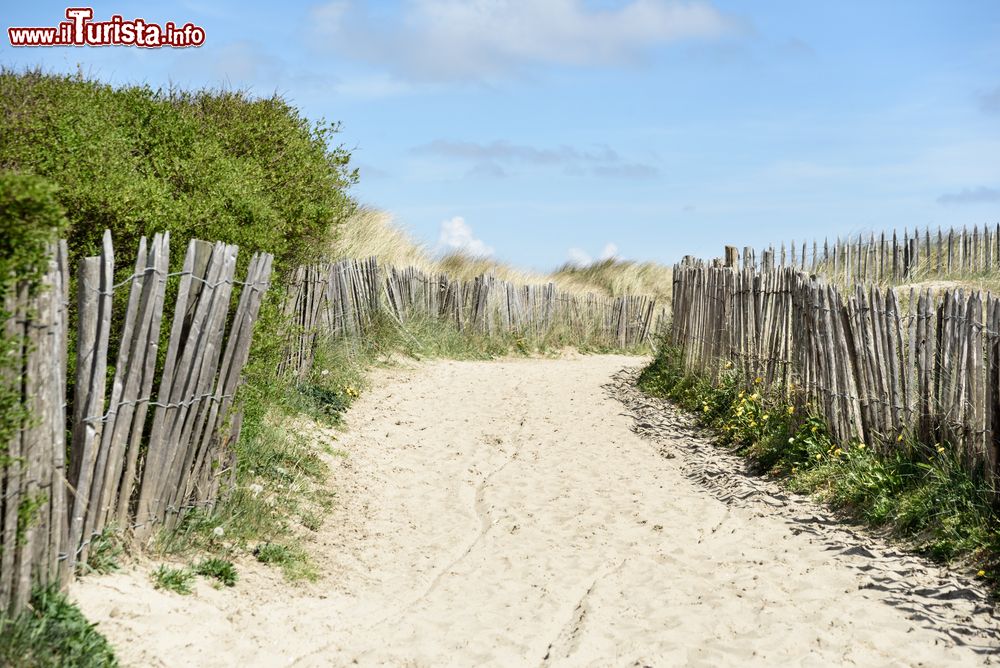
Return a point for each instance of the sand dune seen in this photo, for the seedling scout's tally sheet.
(506, 513)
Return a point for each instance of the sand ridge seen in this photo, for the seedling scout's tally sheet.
(507, 513)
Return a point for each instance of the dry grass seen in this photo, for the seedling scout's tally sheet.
(372, 232)
(616, 277)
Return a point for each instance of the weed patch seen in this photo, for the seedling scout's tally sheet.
(221, 570)
(50, 633)
(292, 559)
(177, 580)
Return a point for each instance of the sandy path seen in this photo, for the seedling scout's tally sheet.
(504, 513)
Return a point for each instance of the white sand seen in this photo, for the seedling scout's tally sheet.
(503, 513)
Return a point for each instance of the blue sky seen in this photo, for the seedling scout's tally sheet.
(557, 129)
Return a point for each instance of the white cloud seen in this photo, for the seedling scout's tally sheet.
(491, 39)
(456, 235)
(581, 258)
(578, 257)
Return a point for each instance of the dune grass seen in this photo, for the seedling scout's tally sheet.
(617, 277)
(371, 232)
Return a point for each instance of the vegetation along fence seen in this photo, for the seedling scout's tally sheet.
(888, 258)
(343, 298)
(149, 433)
(877, 367)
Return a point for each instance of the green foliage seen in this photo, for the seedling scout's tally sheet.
(292, 559)
(222, 570)
(30, 219)
(923, 494)
(27, 514)
(52, 633)
(104, 553)
(216, 165)
(172, 579)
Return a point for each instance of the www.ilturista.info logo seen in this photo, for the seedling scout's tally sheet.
(79, 30)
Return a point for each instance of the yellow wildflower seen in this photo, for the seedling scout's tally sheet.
(758, 380)
(981, 574)
(899, 439)
(765, 416)
(819, 457)
(791, 410)
(940, 450)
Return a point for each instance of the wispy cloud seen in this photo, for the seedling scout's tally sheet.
(989, 101)
(506, 151)
(369, 172)
(980, 195)
(578, 257)
(455, 40)
(581, 258)
(633, 171)
(457, 236)
(601, 161)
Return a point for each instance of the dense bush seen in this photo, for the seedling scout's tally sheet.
(214, 165)
(30, 219)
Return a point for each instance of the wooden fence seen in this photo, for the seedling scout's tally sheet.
(125, 467)
(888, 258)
(343, 298)
(879, 367)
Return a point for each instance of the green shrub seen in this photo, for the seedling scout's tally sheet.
(52, 633)
(216, 165)
(30, 219)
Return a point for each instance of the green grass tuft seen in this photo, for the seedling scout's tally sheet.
(222, 570)
(292, 559)
(177, 580)
(105, 551)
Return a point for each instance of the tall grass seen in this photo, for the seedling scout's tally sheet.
(617, 277)
(371, 232)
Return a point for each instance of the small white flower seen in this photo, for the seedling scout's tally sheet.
(218, 532)
(280, 471)
(256, 489)
(324, 372)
